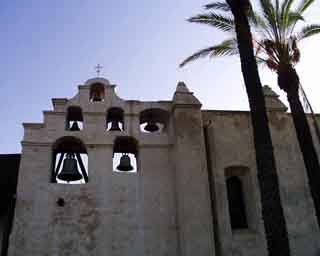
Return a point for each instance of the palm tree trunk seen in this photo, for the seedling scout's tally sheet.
(288, 80)
(272, 211)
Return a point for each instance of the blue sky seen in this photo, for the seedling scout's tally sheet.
(49, 47)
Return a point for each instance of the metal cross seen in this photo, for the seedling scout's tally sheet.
(98, 69)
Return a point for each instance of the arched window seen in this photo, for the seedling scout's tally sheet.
(115, 119)
(70, 161)
(74, 119)
(153, 120)
(97, 92)
(237, 210)
(125, 154)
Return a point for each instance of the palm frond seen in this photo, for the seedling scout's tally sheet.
(285, 9)
(294, 17)
(277, 14)
(304, 5)
(218, 21)
(269, 14)
(292, 20)
(279, 21)
(226, 48)
(218, 5)
(274, 31)
(259, 25)
(308, 31)
(197, 55)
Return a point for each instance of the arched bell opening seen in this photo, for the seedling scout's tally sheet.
(97, 92)
(125, 155)
(74, 119)
(70, 161)
(115, 119)
(154, 120)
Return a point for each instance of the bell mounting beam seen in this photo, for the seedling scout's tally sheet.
(82, 169)
(58, 168)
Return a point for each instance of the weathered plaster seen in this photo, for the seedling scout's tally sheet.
(165, 208)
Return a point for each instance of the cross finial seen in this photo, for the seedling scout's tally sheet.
(98, 69)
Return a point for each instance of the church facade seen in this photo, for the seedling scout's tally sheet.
(107, 176)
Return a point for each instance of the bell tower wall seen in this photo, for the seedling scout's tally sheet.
(115, 213)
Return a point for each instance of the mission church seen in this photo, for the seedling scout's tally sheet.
(107, 176)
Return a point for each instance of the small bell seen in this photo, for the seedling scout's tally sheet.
(151, 126)
(125, 164)
(75, 126)
(69, 170)
(115, 126)
(96, 96)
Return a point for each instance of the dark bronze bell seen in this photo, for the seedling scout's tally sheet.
(115, 126)
(125, 164)
(96, 96)
(151, 126)
(75, 126)
(69, 170)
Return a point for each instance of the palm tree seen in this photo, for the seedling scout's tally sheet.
(276, 38)
(272, 212)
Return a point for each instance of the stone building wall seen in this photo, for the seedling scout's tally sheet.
(231, 143)
(172, 205)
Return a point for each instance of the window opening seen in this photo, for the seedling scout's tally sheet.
(70, 164)
(74, 119)
(115, 119)
(237, 211)
(125, 155)
(153, 120)
(97, 92)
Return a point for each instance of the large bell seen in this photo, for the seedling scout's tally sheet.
(151, 126)
(74, 126)
(115, 126)
(69, 170)
(125, 164)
